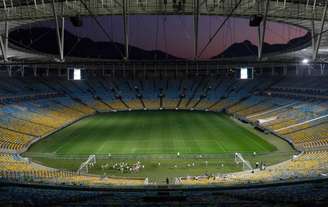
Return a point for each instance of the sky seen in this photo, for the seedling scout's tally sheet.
(174, 34)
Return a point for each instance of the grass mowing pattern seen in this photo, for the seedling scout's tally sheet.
(153, 132)
(154, 137)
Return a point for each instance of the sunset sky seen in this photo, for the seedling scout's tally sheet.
(174, 34)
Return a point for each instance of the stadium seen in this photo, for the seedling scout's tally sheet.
(163, 102)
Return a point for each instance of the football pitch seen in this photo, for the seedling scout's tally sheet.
(156, 137)
(153, 132)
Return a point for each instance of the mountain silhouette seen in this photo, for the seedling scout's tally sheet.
(44, 39)
(247, 48)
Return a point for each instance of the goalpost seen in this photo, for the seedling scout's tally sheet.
(239, 159)
(84, 167)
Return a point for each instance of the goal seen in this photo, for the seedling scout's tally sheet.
(239, 159)
(90, 162)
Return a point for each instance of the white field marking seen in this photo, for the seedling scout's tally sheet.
(58, 148)
(272, 110)
(256, 143)
(304, 122)
(101, 147)
(249, 138)
(220, 144)
(133, 150)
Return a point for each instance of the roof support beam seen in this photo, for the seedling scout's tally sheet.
(60, 31)
(4, 37)
(4, 4)
(62, 37)
(261, 33)
(313, 38)
(35, 4)
(196, 21)
(4, 43)
(318, 42)
(3, 52)
(126, 29)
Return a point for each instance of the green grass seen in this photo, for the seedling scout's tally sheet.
(153, 132)
(157, 136)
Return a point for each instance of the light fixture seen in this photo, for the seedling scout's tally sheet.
(305, 61)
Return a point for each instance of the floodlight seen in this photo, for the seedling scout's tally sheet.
(305, 61)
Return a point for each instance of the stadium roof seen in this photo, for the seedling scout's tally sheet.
(309, 14)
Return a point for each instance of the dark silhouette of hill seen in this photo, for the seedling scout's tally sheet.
(246, 48)
(44, 39)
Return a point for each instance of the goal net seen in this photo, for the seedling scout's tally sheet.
(90, 162)
(240, 160)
